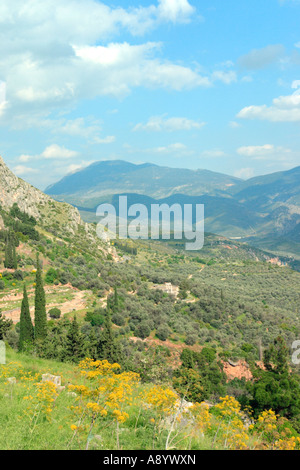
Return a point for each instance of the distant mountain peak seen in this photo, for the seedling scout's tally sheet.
(119, 176)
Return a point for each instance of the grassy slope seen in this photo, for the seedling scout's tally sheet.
(239, 271)
(29, 421)
(23, 430)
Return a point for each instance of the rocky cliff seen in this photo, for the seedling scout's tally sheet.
(61, 216)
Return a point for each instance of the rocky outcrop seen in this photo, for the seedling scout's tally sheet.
(237, 370)
(37, 204)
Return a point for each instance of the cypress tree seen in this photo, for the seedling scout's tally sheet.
(10, 261)
(40, 315)
(6, 259)
(14, 255)
(91, 345)
(108, 346)
(74, 343)
(26, 327)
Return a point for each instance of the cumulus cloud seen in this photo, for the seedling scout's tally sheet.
(49, 58)
(160, 123)
(22, 170)
(283, 109)
(56, 151)
(115, 54)
(52, 152)
(116, 68)
(264, 152)
(85, 22)
(175, 10)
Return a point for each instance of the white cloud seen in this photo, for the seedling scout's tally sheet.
(296, 84)
(159, 123)
(175, 10)
(254, 150)
(80, 128)
(49, 58)
(3, 107)
(88, 129)
(2, 92)
(115, 54)
(25, 158)
(85, 22)
(264, 152)
(105, 140)
(225, 77)
(171, 148)
(3, 102)
(52, 152)
(57, 152)
(244, 173)
(116, 68)
(270, 114)
(31, 94)
(74, 167)
(178, 149)
(21, 170)
(283, 109)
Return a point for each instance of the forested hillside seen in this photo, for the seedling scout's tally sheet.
(204, 325)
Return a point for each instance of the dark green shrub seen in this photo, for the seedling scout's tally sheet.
(54, 312)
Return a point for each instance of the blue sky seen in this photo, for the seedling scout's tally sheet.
(208, 84)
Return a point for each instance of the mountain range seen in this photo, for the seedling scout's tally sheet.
(101, 179)
(264, 211)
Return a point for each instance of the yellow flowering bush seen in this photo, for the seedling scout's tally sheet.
(202, 417)
(41, 403)
(163, 400)
(107, 396)
(272, 432)
(231, 431)
(13, 368)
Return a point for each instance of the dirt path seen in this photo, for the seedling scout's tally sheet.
(13, 296)
(78, 302)
(103, 300)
